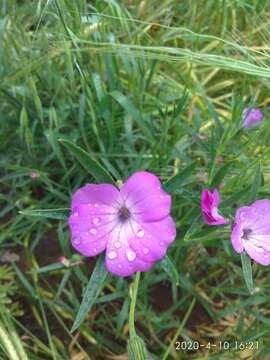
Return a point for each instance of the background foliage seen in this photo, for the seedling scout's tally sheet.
(139, 84)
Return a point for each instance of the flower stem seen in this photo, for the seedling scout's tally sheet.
(134, 291)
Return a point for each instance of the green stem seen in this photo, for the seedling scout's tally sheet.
(178, 332)
(134, 291)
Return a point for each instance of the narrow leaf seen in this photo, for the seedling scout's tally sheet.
(132, 111)
(25, 282)
(256, 183)
(247, 271)
(91, 292)
(176, 181)
(90, 165)
(170, 269)
(60, 214)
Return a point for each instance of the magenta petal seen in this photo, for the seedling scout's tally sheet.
(236, 238)
(251, 117)
(252, 231)
(145, 198)
(150, 240)
(121, 259)
(90, 226)
(104, 194)
(209, 206)
(258, 254)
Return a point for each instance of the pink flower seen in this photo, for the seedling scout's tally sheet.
(209, 204)
(251, 231)
(34, 175)
(133, 225)
(251, 117)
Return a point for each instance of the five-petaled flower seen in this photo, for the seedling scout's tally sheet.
(251, 117)
(251, 231)
(209, 205)
(133, 225)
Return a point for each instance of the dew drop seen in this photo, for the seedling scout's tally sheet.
(161, 196)
(131, 255)
(96, 220)
(140, 233)
(77, 240)
(145, 251)
(93, 231)
(95, 250)
(95, 205)
(76, 213)
(149, 236)
(89, 204)
(259, 250)
(162, 243)
(117, 244)
(112, 255)
(266, 256)
(242, 215)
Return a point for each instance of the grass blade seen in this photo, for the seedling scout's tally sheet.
(174, 182)
(60, 214)
(90, 165)
(91, 292)
(247, 271)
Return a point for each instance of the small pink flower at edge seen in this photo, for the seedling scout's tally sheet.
(209, 205)
(251, 231)
(132, 225)
(251, 117)
(34, 175)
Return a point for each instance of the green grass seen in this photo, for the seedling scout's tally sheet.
(156, 85)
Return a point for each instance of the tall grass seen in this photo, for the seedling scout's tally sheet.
(157, 85)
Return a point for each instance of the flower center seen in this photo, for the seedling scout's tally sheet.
(124, 214)
(246, 233)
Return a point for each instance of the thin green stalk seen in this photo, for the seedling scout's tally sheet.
(178, 332)
(134, 291)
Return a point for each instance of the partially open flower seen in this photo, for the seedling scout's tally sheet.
(133, 225)
(251, 231)
(209, 204)
(251, 117)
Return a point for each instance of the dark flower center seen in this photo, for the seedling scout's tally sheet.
(246, 233)
(124, 214)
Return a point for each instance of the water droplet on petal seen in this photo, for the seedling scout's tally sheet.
(77, 240)
(161, 196)
(95, 205)
(145, 251)
(76, 213)
(112, 255)
(89, 204)
(117, 244)
(242, 215)
(96, 220)
(131, 255)
(140, 233)
(162, 243)
(93, 231)
(149, 236)
(95, 249)
(259, 249)
(266, 256)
